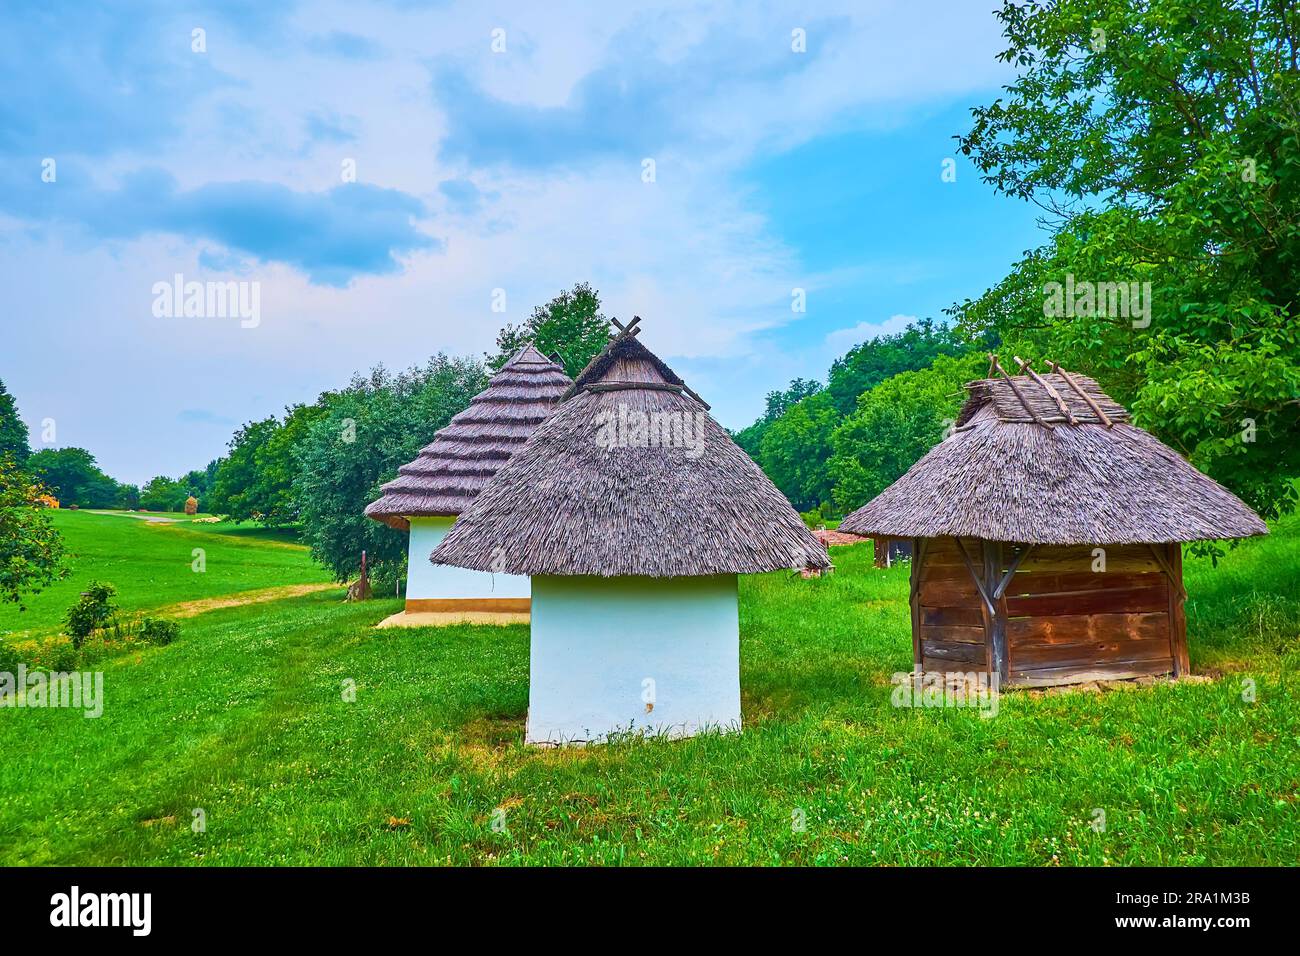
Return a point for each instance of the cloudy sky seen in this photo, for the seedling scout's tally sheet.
(495, 147)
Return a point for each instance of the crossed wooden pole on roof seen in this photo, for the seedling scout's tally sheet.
(995, 366)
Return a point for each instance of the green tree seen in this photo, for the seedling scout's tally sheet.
(237, 491)
(1163, 137)
(163, 494)
(894, 425)
(73, 476)
(364, 434)
(31, 550)
(777, 403)
(255, 482)
(570, 325)
(866, 365)
(795, 447)
(13, 432)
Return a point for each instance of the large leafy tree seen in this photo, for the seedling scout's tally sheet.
(1163, 139)
(571, 325)
(74, 477)
(164, 494)
(13, 432)
(895, 424)
(777, 404)
(795, 447)
(866, 365)
(31, 550)
(234, 490)
(366, 431)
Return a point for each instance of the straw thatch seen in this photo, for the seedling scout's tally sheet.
(452, 469)
(578, 500)
(1018, 468)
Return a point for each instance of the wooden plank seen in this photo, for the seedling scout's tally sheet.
(944, 552)
(1114, 670)
(1177, 613)
(1092, 654)
(1074, 629)
(1108, 601)
(974, 654)
(1079, 558)
(968, 616)
(1039, 583)
(961, 635)
(946, 572)
(950, 593)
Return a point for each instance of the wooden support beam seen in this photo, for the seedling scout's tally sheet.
(1178, 613)
(1011, 572)
(976, 577)
(1159, 552)
(914, 598)
(997, 633)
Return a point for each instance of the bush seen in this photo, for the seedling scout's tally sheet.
(154, 630)
(50, 654)
(9, 658)
(95, 609)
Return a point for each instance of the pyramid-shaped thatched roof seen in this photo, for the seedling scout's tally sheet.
(1051, 459)
(589, 494)
(452, 469)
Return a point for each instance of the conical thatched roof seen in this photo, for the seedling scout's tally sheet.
(1051, 459)
(591, 493)
(452, 469)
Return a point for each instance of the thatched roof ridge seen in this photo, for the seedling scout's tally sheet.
(579, 499)
(452, 469)
(1003, 476)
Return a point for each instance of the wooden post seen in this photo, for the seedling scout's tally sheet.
(918, 567)
(997, 630)
(1177, 612)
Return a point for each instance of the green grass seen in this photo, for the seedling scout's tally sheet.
(150, 563)
(244, 718)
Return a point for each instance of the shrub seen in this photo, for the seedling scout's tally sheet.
(50, 654)
(9, 658)
(94, 609)
(154, 630)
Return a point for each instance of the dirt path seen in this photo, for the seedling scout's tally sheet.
(240, 598)
(154, 519)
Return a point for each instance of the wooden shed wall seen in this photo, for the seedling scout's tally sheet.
(1068, 623)
(1057, 621)
(949, 627)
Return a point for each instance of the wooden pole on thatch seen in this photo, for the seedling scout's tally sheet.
(1047, 387)
(1018, 393)
(1078, 390)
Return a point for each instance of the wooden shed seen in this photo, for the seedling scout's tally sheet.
(1047, 536)
(634, 512)
(430, 492)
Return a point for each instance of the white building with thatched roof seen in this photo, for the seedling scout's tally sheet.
(429, 493)
(1046, 536)
(634, 512)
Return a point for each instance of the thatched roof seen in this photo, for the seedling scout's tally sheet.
(452, 469)
(1021, 468)
(591, 494)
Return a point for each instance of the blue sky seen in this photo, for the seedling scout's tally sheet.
(380, 169)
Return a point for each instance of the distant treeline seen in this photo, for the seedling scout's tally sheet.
(885, 403)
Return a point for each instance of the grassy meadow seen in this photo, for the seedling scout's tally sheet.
(245, 718)
(150, 562)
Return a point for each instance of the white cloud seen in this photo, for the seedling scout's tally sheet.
(841, 340)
